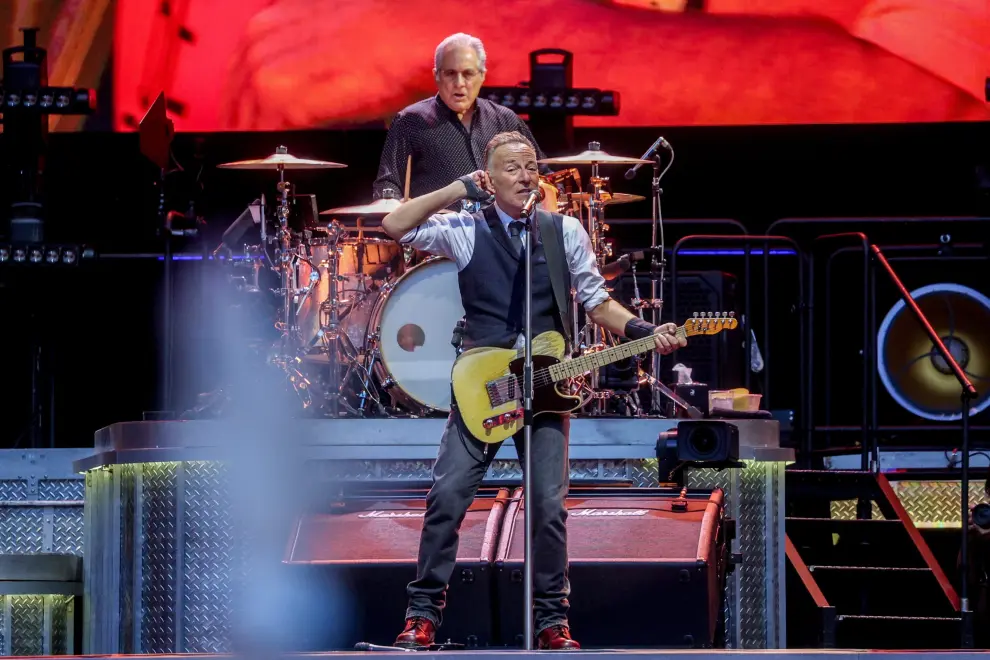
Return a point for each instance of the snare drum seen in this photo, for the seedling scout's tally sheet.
(414, 323)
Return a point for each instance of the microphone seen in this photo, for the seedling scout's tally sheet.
(535, 196)
(661, 142)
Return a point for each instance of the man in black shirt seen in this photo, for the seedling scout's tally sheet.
(446, 134)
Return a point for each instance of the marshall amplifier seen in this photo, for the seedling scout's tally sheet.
(646, 568)
(363, 554)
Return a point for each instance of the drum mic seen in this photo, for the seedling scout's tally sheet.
(535, 196)
(661, 142)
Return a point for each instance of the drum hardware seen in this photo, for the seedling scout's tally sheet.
(596, 226)
(290, 348)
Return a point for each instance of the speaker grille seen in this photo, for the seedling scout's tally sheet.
(387, 530)
(623, 528)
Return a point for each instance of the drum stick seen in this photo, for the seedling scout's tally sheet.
(408, 176)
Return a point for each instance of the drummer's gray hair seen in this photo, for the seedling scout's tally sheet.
(458, 40)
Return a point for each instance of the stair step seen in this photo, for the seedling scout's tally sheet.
(882, 592)
(879, 543)
(897, 632)
(810, 492)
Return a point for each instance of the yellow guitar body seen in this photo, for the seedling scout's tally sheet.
(480, 371)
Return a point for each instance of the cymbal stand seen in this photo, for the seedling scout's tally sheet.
(289, 351)
(595, 338)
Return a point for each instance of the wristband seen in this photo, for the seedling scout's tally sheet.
(474, 192)
(638, 328)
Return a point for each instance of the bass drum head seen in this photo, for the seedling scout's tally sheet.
(415, 324)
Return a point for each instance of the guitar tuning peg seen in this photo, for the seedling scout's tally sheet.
(709, 314)
(695, 315)
(732, 315)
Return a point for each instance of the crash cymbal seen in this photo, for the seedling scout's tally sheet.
(593, 155)
(281, 159)
(377, 207)
(608, 198)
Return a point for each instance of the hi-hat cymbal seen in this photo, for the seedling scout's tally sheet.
(593, 156)
(608, 198)
(283, 160)
(377, 207)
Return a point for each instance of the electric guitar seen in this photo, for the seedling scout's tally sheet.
(488, 383)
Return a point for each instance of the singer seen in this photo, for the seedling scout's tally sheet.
(486, 246)
(445, 134)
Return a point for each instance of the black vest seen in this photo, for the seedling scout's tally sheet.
(493, 287)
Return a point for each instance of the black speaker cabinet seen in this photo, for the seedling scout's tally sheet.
(646, 568)
(362, 555)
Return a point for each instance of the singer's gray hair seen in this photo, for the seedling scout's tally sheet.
(509, 137)
(456, 41)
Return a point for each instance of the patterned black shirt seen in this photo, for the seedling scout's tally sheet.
(442, 149)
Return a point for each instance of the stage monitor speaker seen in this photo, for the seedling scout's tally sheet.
(367, 549)
(646, 568)
(913, 372)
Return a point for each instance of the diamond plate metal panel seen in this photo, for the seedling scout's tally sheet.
(752, 496)
(21, 530)
(67, 531)
(61, 490)
(158, 597)
(209, 560)
(27, 625)
(937, 503)
(127, 476)
(500, 469)
(406, 470)
(846, 510)
(584, 470)
(13, 489)
(60, 613)
(751, 528)
(3, 624)
(644, 473)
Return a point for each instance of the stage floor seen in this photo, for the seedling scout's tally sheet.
(591, 654)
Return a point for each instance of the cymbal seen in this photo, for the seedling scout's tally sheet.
(377, 207)
(608, 198)
(591, 156)
(284, 160)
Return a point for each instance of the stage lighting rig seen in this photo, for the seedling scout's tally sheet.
(26, 100)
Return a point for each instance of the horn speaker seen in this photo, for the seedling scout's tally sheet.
(914, 373)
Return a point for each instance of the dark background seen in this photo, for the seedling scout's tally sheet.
(99, 325)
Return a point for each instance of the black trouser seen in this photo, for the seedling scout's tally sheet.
(460, 467)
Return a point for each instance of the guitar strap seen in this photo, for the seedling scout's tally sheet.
(551, 228)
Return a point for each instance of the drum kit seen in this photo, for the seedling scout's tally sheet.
(367, 329)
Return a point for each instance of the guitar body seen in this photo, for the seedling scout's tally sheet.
(491, 403)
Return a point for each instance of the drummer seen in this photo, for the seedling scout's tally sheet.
(446, 134)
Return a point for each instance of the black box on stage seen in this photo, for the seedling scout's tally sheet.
(365, 553)
(646, 568)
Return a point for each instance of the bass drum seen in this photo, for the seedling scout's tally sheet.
(414, 323)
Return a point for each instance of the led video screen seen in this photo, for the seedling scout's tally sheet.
(296, 64)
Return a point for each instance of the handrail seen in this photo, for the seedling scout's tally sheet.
(766, 240)
(968, 393)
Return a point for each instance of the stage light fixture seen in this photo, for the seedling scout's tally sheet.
(43, 256)
(48, 100)
(554, 101)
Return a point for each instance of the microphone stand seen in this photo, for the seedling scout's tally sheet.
(525, 217)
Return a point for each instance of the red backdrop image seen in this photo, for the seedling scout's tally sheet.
(283, 64)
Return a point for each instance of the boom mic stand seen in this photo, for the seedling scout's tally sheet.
(658, 260)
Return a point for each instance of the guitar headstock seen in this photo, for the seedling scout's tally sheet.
(710, 323)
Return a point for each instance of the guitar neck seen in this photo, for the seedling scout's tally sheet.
(578, 366)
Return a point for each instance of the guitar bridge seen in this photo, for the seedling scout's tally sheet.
(498, 396)
(504, 418)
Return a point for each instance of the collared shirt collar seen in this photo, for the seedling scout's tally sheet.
(450, 113)
(506, 218)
